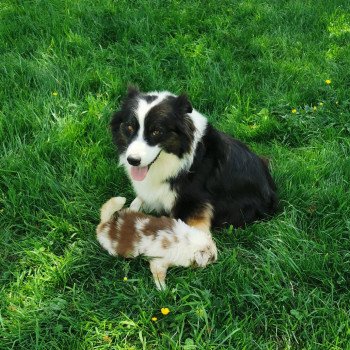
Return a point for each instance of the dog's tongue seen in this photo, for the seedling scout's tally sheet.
(138, 173)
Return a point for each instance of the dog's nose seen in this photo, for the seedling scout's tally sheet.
(134, 160)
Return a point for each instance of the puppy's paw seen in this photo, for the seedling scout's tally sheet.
(160, 285)
(110, 207)
(158, 269)
(136, 204)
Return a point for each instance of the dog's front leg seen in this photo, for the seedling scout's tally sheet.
(194, 211)
(136, 204)
(201, 219)
(158, 269)
(199, 223)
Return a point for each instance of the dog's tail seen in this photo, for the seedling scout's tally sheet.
(110, 207)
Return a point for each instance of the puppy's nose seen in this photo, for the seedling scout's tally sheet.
(134, 160)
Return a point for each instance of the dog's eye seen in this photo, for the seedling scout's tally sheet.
(156, 132)
(129, 129)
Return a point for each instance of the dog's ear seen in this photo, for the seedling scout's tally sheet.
(116, 120)
(183, 105)
(132, 91)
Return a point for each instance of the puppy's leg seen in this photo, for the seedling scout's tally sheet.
(136, 204)
(158, 269)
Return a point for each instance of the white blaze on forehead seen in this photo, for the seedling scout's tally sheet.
(141, 111)
(143, 107)
(139, 147)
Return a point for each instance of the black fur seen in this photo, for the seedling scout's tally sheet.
(227, 175)
(168, 117)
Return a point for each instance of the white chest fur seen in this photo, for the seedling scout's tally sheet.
(155, 197)
(154, 190)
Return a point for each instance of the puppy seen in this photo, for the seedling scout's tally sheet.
(168, 242)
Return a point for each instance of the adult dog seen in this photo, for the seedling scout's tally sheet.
(179, 164)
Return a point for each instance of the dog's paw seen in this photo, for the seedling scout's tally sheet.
(136, 204)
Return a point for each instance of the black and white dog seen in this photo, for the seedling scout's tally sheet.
(179, 164)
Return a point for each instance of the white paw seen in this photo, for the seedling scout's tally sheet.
(160, 285)
(136, 204)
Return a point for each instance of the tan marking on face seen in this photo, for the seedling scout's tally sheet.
(202, 220)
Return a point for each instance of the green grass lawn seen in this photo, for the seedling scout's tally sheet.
(258, 70)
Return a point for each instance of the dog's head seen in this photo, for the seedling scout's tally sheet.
(148, 124)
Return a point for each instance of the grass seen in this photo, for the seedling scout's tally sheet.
(281, 284)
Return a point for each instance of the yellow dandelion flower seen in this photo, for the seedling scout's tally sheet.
(12, 308)
(320, 103)
(328, 81)
(294, 110)
(154, 319)
(125, 279)
(164, 310)
(315, 108)
(107, 339)
(55, 93)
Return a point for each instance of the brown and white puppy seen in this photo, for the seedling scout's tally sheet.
(167, 242)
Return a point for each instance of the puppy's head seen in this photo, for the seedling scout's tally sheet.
(148, 124)
(207, 255)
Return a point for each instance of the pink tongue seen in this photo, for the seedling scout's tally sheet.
(138, 173)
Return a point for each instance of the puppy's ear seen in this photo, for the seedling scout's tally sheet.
(183, 105)
(132, 91)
